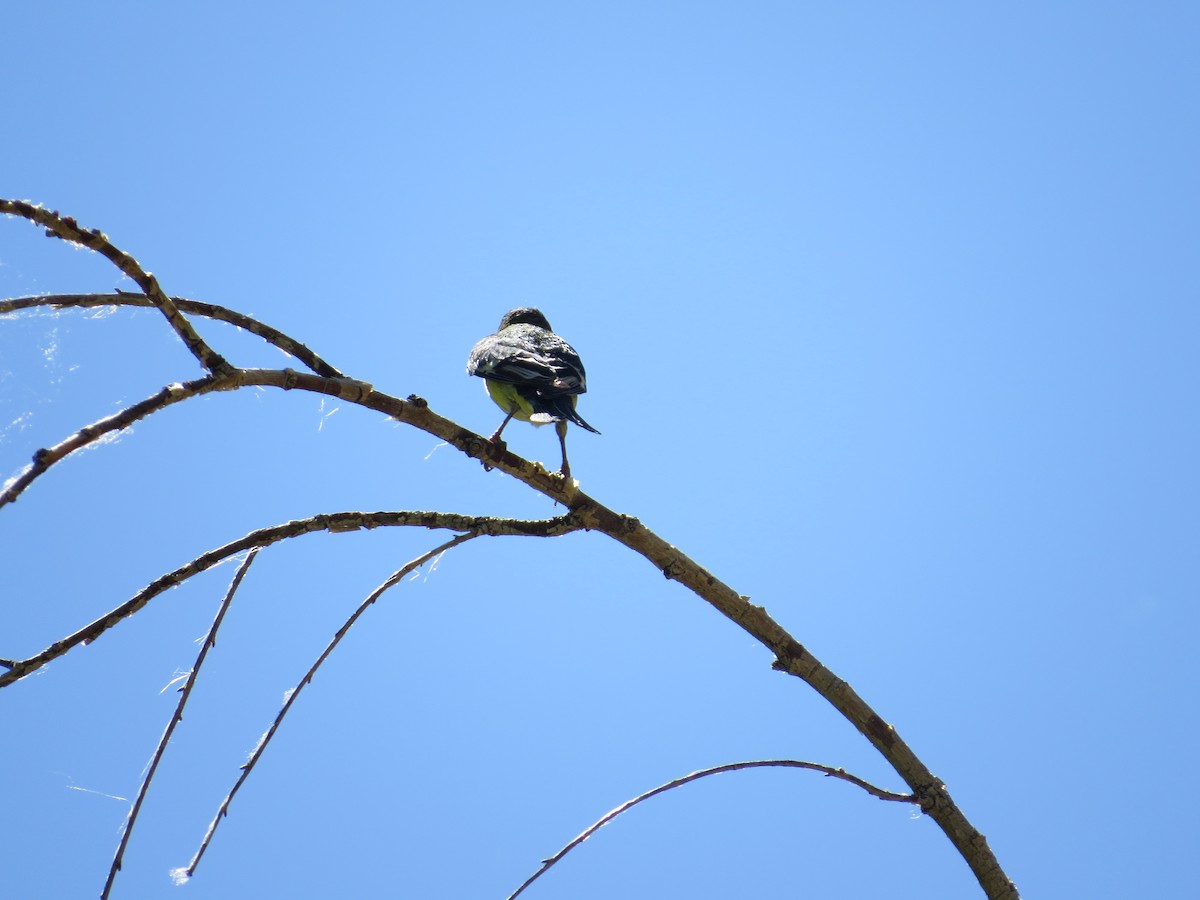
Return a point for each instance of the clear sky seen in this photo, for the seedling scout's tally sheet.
(890, 314)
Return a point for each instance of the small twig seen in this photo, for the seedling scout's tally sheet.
(703, 773)
(344, 388)
(334, 522)
(185, 692)
(68, 229)
(44, 458)
(271, 335)
(222, 811)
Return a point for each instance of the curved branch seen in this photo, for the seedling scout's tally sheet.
(790, 655)
(66, 228)
(185, 693)
(704, 773)
(394, 579)
(44, 458)
(795, 659)
(414, 411)
(333, 522)
(273, 336)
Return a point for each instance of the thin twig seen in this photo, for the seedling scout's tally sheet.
(333, 522)
(830, 771)
(185, 692)
(344, 388)
(274, 336)
(46, 457)
(190, 869)
(68, 229)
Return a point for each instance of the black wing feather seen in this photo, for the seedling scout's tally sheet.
(545, 368)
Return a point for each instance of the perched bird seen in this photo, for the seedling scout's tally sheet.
(532, 374)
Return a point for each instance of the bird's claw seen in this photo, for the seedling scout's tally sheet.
(497, 446)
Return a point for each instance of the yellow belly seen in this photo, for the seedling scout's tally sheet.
(508, 398)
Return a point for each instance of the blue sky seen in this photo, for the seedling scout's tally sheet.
(890, 316)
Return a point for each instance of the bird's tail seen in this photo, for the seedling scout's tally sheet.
(578, 420)
(564, 408)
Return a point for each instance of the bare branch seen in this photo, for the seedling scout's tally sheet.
(395, 578)
(414, 411)
(790, 656)
(68, 229)
(185, 692)
(333, 522)
(271, 335)
(794, 658)
(704, 773)
(44, 458)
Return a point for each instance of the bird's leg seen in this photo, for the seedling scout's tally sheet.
(495, 438)
(561, 427)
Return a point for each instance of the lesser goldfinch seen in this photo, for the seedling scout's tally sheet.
(532, 374)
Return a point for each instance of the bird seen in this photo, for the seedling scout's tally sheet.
(532, 374)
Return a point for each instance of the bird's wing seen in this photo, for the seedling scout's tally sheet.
(544, 362)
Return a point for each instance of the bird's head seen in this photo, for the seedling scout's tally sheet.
(525, 315)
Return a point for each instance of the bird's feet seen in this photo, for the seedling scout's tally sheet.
(498, 447)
